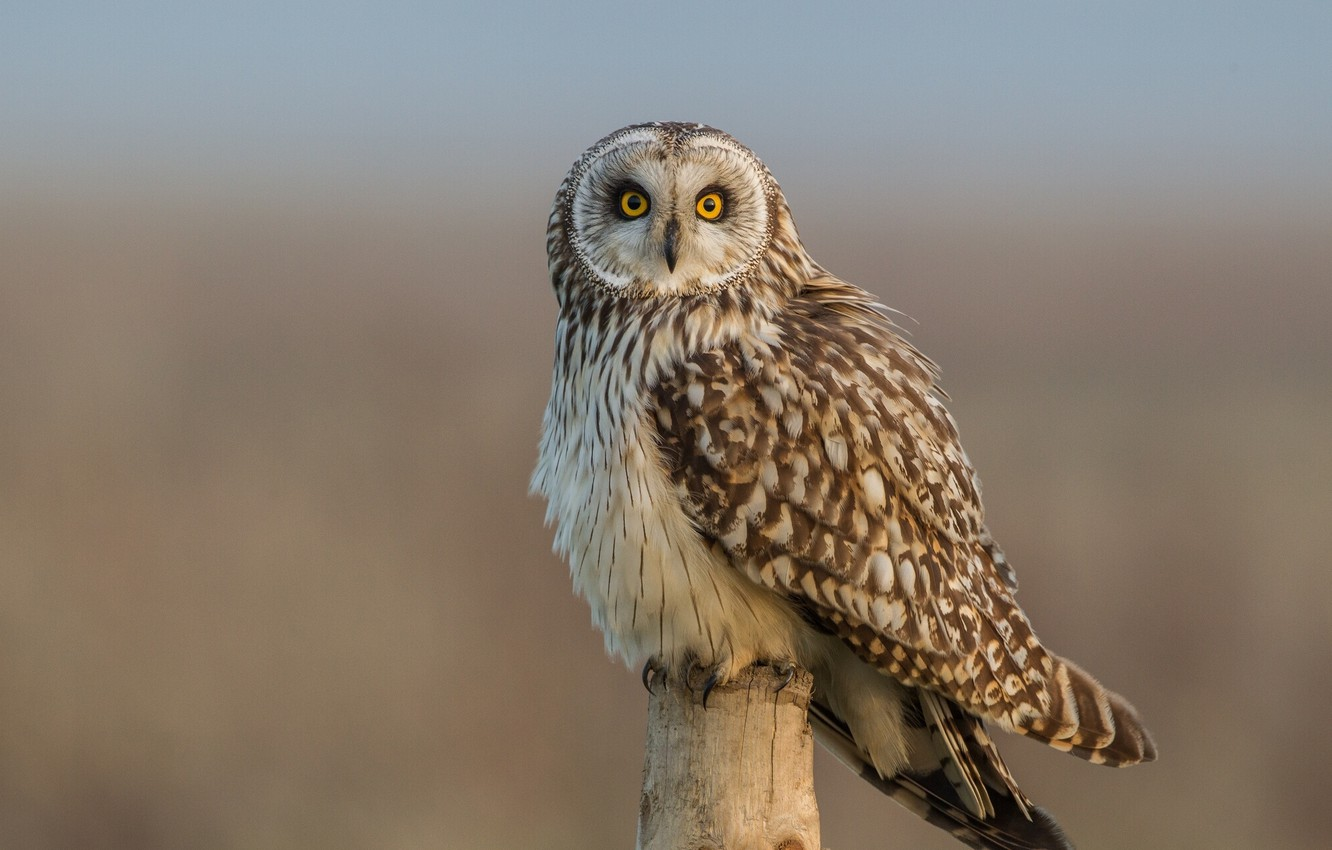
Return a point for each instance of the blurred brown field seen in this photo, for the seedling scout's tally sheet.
(269, 576)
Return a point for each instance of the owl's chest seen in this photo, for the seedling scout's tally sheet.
(655, 586)
(620, 524)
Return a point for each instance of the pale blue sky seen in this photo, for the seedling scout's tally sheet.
(499, 95)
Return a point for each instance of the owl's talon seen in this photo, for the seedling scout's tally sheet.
(708, 686)
(788, 672)
(713, 679)
(653, 671)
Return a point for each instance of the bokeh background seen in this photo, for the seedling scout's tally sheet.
(275, 336)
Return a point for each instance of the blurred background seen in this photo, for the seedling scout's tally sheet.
(275, 335)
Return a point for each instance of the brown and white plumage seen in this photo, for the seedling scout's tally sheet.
(745, 462)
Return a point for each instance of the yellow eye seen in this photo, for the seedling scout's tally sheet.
(633, 203)
(710, 206)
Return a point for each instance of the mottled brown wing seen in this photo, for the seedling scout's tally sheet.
(818, 455)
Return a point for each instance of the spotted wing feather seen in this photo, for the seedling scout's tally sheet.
(818, 453)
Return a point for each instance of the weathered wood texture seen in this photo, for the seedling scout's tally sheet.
(738, 775)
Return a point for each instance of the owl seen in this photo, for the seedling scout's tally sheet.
(744, 462)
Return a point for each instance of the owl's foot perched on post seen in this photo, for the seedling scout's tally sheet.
(712, 676)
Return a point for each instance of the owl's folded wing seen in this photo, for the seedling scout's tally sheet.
(828, 469)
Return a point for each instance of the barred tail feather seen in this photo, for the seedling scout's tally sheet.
(1091, 722)
(1014, 824)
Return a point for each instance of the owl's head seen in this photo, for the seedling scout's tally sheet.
(665, 209)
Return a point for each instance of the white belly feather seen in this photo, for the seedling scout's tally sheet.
(656, 587)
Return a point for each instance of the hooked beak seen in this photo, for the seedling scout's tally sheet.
(668, 246)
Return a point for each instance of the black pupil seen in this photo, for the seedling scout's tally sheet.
(709, 204)
(633, 202)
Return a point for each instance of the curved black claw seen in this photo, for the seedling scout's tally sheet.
(709, 683)
(653, 671)
(708, 686)
(788, 671)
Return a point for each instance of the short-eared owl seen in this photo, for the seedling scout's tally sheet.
(746, 463)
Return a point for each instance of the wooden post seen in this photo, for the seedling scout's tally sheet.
(737, 775)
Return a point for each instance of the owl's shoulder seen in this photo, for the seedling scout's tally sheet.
(828, 388)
